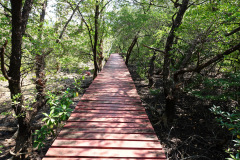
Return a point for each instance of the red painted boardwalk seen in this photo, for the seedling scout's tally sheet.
(109, 123)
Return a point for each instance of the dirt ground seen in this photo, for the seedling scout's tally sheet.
(8, 125)
(194, 134)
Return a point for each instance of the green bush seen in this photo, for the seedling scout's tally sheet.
(59, 111)
(0, 148)
(216, 88)
(232, 122)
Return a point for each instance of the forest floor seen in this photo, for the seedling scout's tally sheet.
(194, 134)
(8, 126)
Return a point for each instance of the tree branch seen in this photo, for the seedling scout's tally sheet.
(25, 14)
(149, 4)
(3, 69)
(65, 26)
(88, 28)
(29, 36)
(104, 6)
(200, 38)
(195, 4)
(176, 4)
(218, 57)
(176, 23)
(234, 31)
(42, 15)
(48, 52)
(155, 49)
(85, 22)
(157, 5)
(9, 10)
(131, 48)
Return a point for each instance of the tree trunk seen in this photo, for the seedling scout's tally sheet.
(130, 49)
(168, 83)
(95, 40)
(19, 21)
(40, 75)
(100, 55)
(40, 60)
(14, 83)
(151, 70)
(23, 140)
(15, 58)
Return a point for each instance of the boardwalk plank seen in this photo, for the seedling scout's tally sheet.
(109, 105)
(103, 119)
(109, 130)
(102, 153)
(109, 136)
(112, 115)
(105, 144)
(109, 122)
(77, 110)
(106, 158)
(110, 108)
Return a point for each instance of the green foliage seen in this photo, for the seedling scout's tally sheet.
(228, 120)
(142, 69)
(77, 83)
(2, 78)
(59, 111)
(233, 157)
(6, 113)
(41, 135)
(216, 88)
(0, 148)
(155, 92)
(5, 28)
(231, 121)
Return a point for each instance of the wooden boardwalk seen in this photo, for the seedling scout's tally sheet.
(109, 123)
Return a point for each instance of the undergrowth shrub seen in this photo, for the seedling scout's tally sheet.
(232, 122)
(59, 111)
(224, 89)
